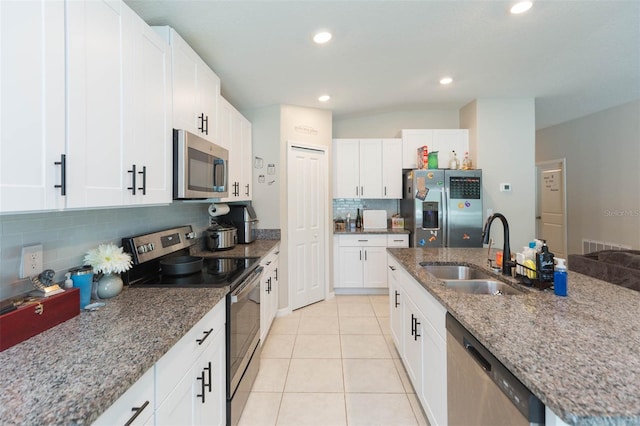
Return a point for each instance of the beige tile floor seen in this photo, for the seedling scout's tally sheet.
(333, 363)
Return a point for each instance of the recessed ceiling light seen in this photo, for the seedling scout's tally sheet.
(324, 98)
(322, 37)
(521, 7)
(446, 80)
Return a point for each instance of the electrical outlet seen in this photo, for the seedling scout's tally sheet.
(31, 261)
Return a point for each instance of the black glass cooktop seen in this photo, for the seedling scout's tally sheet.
(216, 273)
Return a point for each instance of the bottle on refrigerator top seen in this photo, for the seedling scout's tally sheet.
(544, 264)
(560, 278)
(453, 164)
(358, 220)
(466, 162)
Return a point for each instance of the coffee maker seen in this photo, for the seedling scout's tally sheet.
(244, 218)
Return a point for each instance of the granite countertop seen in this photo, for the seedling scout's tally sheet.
(73, 372)
(372, 231)
(578, 354)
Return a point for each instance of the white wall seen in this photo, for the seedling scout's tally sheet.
(389, 124)
(603, 174)
(502, 133)
(265, 125)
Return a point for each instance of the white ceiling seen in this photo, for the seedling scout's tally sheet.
(574, 57)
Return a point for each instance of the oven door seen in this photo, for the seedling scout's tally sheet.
(200, 167)
(243, 326)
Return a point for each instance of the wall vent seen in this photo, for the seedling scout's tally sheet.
(589, 246)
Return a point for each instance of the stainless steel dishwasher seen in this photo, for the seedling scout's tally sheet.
(480, 390)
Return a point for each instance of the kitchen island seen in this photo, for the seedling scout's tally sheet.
(578, 354)
(72, 373)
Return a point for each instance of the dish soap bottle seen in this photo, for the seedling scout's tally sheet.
(544, 264)
(358, 220)
(560, 278)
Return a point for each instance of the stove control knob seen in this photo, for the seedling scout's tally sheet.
(190, 235)
(142, 249)
(150, 247)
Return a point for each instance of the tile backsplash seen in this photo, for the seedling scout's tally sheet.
(342, 206)
(66, 236)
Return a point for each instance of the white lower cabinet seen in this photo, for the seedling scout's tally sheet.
(417, 322)
(361, 260)
(187, 386)
(135, 405)
(269, 289)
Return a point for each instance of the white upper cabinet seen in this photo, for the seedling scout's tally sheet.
(97, 39)
(442, 140)
(32, 99)
(367, 168)
(148, 137)
(392, 168)
(196, 89)
(235, 135)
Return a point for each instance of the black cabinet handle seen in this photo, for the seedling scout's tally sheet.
(137, 411)
(276, 272)
(413, 325)
(365, 255)
(201, 118)
(396, 299)
(144, 180)
(385, 191)
(63, 174)
(360, 254)
(206, 124)
(206, 334)
(393, 268)
(208, 369)
(202, 385)
(416, 335)
(132, 188)
(247, 191)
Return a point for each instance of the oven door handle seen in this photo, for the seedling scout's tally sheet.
(246, 286)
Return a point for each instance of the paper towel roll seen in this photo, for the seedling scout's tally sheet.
(218, 209)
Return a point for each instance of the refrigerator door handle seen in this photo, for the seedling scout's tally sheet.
(444, 194)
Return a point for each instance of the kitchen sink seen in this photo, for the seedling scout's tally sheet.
(491, 287)
(455, 272)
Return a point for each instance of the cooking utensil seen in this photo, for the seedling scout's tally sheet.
(220, 237)
(181, 265)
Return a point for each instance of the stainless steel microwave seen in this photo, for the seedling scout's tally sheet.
(200, 167)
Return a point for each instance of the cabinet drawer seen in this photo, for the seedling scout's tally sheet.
(362, 240)
(140, 396)
(177, 361)
(399, 240)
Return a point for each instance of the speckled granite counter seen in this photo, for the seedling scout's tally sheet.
(578, 354)
(372, 231)
(73, 372)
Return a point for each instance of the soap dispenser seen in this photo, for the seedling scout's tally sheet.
(544, 264)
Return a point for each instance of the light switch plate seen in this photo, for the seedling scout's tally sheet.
(31, 261)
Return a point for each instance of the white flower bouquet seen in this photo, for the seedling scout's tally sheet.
(108, 259)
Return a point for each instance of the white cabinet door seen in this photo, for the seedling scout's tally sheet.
(396, 306)
(185, 83)
(96, 53)
(209, 91)
(434, 376)
(448, 140)
(210, 384)
(413, 343)
(375, 267)
(268, 287)
(370, 168)
(392, 168)
(32, 104)
(225, 111)
(412, 139)
(350, 269)
(138, 401)
(246, 160)
(346, 168)
(148, 140)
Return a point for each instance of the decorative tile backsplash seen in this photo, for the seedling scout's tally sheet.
(342, 206)
(67, 235)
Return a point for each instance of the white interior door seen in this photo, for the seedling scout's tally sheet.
(551, 212)
(307, 205)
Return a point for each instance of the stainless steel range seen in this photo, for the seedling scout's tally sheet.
(162, 259)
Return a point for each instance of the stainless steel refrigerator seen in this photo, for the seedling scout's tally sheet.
(443, 208)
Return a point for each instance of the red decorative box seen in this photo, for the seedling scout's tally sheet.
(35, 317)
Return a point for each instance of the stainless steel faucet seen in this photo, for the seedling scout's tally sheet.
(506, 249)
